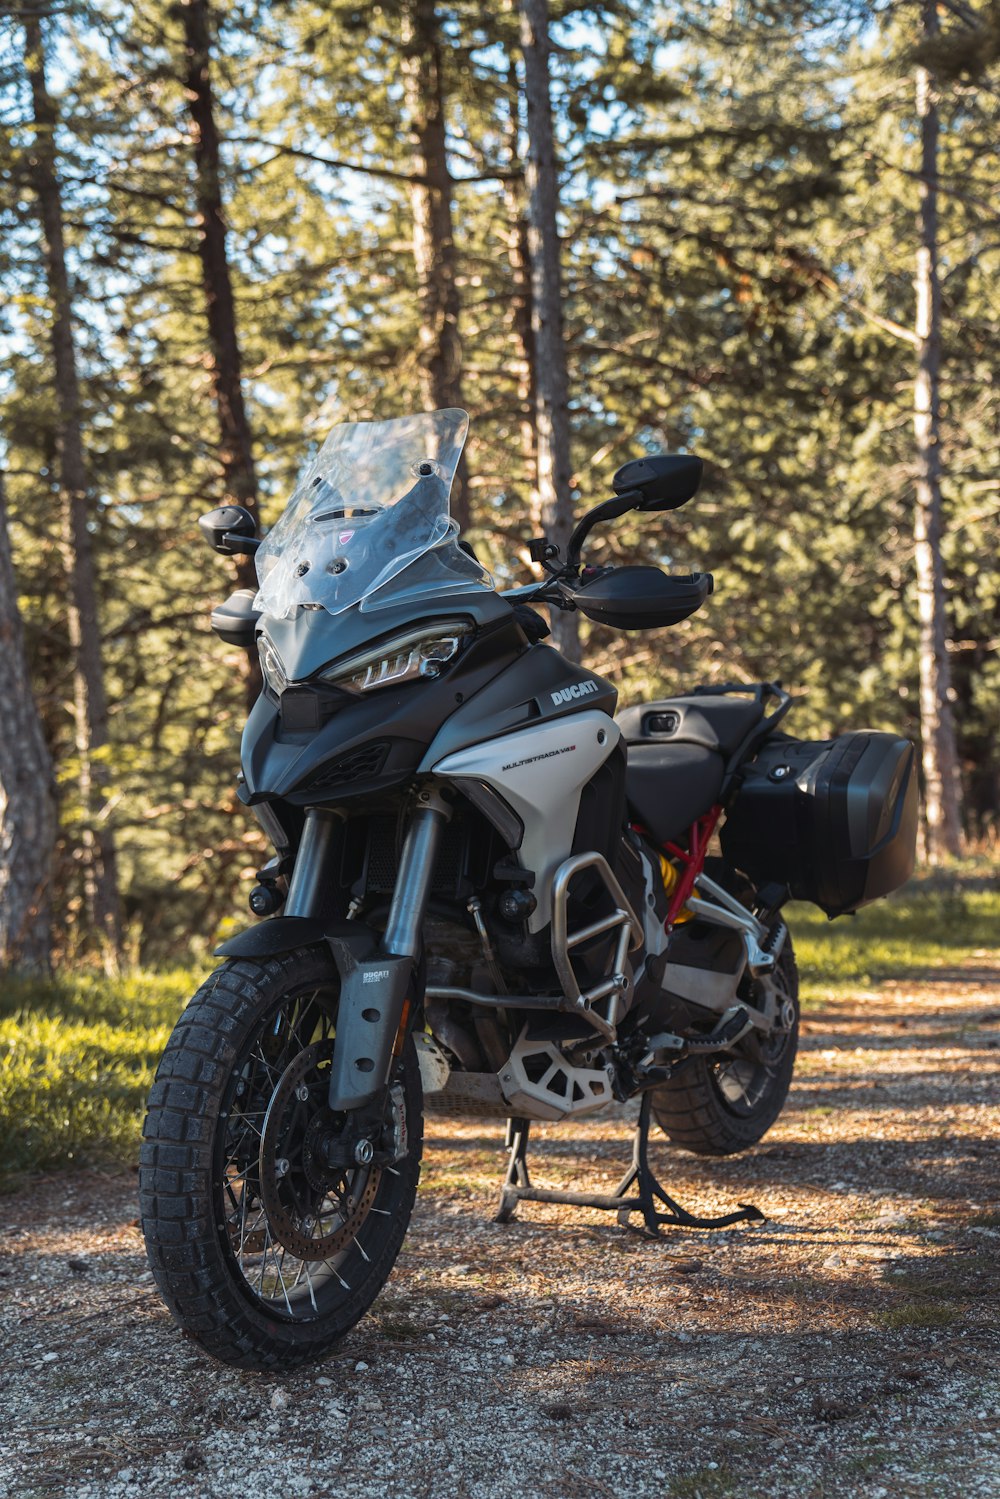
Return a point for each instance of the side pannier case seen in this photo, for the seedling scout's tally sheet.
(836, 821)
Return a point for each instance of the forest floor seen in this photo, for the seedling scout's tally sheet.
(849, 1345)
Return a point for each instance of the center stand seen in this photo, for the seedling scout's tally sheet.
(649, 1198)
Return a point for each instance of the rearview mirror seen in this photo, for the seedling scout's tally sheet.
(227, 526)
(665, 480)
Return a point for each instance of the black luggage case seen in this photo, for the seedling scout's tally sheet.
(836, 821)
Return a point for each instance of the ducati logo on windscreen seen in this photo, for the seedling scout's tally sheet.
(578, 689)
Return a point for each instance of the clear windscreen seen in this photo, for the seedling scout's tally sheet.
(367, 509)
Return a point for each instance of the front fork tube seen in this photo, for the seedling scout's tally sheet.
(311, 872)
(373, 992)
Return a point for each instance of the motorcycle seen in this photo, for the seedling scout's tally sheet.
(490, 896)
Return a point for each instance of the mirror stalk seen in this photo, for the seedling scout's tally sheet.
(618, 505)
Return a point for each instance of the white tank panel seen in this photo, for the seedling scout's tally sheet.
(540, 773)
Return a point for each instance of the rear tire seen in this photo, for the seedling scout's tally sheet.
(722, 1104)
(265, 1256)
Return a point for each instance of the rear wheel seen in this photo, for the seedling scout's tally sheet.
(265, 1253)
(721, 1104)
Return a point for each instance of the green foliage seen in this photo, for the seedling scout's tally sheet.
(77, 1058)
(912, 933)
(738, 240)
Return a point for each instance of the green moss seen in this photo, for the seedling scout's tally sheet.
(925, 1312)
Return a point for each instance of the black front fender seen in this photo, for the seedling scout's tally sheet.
(285, 933)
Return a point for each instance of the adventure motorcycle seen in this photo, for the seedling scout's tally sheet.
(496, 896)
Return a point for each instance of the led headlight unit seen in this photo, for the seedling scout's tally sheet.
(271, 665)
(419, 653)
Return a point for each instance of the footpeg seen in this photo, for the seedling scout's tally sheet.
(759, 961)
(732, 1027)
(763, 957)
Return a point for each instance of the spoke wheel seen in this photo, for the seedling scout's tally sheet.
(718, 1105)
(264, 1251)
(747, 1080)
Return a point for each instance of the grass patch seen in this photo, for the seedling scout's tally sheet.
(911, 934)
(921, 1313)
(77, 1058)
(872, 1461)
(400, 1329)
(703, 1483)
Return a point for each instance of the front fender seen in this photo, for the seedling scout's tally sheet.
(285, 933)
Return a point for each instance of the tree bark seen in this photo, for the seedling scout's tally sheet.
(90, 710)
(942, 811)
(235, 441)
(431, 191)
(552, 400)
(27, 793)
(519, 260)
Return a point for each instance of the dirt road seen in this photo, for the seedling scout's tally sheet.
(850, 1345)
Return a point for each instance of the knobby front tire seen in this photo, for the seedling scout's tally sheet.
(265, 1256)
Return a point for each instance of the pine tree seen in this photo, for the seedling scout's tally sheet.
(431, 199)
(551, 375)
(940, 761)
(236, 446)
(90, 700)
(27, 792)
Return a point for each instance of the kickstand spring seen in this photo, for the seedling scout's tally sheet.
(639, 1191)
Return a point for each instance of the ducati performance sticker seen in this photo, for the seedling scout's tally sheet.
(345, 537)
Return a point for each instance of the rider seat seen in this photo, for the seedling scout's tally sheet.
(678, 749)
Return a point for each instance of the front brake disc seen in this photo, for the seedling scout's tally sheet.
(311, 1212)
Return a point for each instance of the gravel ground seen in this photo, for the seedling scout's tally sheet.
(846, 1346)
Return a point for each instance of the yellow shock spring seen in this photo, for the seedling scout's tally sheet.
(670, 877)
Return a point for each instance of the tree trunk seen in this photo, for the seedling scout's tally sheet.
(27, 793)
(519, 259)
(90, 711)
(937, 727)
(552, 400)
(235, 446)
(433, 236)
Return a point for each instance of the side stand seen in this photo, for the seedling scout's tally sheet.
(649, 1198)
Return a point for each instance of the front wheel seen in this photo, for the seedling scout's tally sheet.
(724, 1103)
(264, 1252)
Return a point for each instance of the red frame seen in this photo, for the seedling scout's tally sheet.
(692, 859)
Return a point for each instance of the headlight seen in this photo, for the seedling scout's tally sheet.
(271, 665)
(418, 653)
